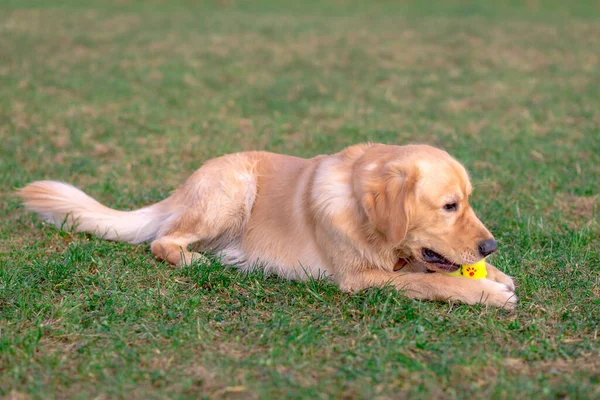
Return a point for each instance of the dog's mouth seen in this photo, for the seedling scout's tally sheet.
(438, 261)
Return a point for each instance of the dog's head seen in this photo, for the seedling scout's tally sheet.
(417, 199)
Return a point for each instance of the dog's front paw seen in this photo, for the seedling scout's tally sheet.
(496, 275)
(498, 294)
(506, 280)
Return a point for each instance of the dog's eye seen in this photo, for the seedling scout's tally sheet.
(451, 207)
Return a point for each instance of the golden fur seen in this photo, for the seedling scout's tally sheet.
(349, 216)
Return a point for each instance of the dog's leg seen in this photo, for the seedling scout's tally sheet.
(215, 202)
(435, 287)
(495, 274)
(173, 249)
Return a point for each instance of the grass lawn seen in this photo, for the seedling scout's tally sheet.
(125, 98)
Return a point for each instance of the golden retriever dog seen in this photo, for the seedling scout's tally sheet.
(370, 215)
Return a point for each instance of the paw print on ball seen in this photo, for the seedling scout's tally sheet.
(474, 271)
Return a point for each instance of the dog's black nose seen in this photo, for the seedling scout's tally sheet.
(487, 247)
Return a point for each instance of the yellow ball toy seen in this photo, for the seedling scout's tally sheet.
(472, 271)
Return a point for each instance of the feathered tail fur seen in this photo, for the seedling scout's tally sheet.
(66, 206)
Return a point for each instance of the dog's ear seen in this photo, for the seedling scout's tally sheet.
(388, 203)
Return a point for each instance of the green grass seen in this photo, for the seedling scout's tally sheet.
(125, 99)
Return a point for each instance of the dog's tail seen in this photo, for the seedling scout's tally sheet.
(68, 207)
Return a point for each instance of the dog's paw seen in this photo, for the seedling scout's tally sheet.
(501, 277)
(496, 275)
(498, 294)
